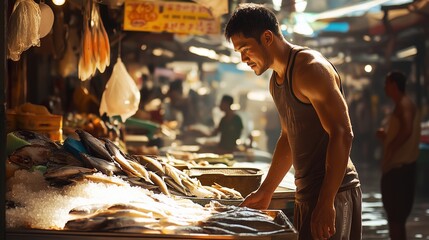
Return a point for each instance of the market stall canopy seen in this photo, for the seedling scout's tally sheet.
(380, 18)
(375, 31)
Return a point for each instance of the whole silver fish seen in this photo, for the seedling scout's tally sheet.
(175, 187)
(175, 174)
(235, 228)
(230, 192)
(141, 207)
(150, 164)
(104, 166)
(85, 224)
(217, 230)
(136, 181)
(122, 161)
(66, 172)
(62, 158)
(88, 209)
(262, 225)
(93, 145)
(100, 179)
(243, 212)
(141, 170)
(112, 147)
(159, 182)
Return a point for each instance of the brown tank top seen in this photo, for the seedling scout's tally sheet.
(307, 138)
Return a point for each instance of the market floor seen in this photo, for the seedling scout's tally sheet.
(373, 215)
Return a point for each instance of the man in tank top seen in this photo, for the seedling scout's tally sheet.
(400, 139)
(316, 134)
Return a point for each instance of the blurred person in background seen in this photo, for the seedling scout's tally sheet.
(230, 127)
(400, 139)
(151, 97)
(316, 135)
(180, 105)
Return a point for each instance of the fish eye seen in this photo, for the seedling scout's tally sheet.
(26, 159)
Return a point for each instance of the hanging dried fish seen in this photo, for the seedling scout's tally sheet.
(95, 43)
(86, 63)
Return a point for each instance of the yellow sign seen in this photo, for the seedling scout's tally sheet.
(174, 17)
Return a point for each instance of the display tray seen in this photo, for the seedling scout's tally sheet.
(37, 234)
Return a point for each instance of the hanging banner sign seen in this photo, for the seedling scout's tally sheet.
(174, 17)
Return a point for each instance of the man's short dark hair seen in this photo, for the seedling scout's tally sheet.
(252, 20)
(227, 99)
(399, 78)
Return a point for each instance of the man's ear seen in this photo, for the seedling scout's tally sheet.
(267, 37)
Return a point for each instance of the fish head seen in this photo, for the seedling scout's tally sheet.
(36, 138)
(23, 161)
(62, 158)
(30, 155)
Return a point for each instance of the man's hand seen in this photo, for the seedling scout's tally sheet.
(323, 221)
(257, 200)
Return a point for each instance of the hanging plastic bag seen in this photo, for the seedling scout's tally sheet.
(121, 96)
(23, 25)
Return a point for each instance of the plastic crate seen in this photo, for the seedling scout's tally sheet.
(41, 123)
(49, 125)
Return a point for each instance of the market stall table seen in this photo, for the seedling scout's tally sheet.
(66, 235)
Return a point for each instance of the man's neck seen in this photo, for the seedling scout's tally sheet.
(281, 56)
(229, 112)
(398, 97)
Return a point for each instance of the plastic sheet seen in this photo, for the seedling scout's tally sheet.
(121, 96)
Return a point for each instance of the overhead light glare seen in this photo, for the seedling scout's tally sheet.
(300, 5)
(163, 52)
(368, 68)
(408, 52)
(204, 52)
(157, 52)
(277, 5)
(59, 2)
(367, 38)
